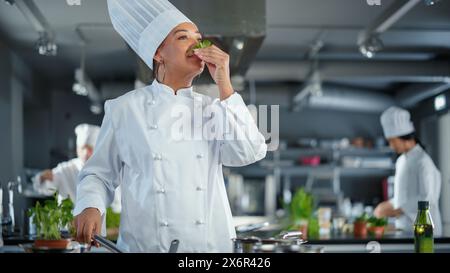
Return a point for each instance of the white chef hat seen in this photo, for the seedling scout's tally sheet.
(144, 24)
(396, 122)
(86, 134)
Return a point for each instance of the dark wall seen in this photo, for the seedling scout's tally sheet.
(425, 119)
(14, 81)
(37, 141)
(68, 110)
(50, 129)
(5, 113)
(328, 124)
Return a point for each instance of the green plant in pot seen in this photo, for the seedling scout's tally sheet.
(360, 226)
(376, 226)
(50, 220)
(302, 216)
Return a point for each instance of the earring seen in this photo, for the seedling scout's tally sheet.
(164, 72)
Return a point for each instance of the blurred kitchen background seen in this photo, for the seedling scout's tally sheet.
(332, 66)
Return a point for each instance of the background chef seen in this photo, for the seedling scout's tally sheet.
(416, 176)
(64, 177)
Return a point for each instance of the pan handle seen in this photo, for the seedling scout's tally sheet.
(107, 244)
(251, 227)
(291, 235)
(174, 246)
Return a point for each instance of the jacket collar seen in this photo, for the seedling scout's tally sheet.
(163, 89)
(414, 152)
(78, 163)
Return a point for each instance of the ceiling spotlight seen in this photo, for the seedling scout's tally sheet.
(238, 44)
(96, 108)
(46, 46)
(440, 102)
(79, 89)
(430, 2)
(370, 46)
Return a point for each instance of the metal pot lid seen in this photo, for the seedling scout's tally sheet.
(248, 240)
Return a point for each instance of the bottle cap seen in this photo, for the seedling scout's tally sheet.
(423, 205)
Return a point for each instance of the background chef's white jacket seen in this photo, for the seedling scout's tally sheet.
(416, 179)
(65, 179)
(171, 188)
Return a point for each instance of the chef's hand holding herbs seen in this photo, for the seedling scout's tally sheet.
(218, 63)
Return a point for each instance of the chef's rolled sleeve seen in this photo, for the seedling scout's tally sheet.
(409, 208)
(242, 143)
(98, 178)
(429, 183)
(429, 189)
(43, 187)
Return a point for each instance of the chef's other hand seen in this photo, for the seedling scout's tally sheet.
(88, 223)
(386, 209)
(46, 175)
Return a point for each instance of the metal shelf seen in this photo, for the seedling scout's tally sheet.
(386, 151)
(295, 153)
(258, 171)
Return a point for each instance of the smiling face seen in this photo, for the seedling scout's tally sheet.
(173, 52)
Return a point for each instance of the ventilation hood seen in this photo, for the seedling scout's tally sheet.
(237, 27)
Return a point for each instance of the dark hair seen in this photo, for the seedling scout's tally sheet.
(155, 69)
(414, 137)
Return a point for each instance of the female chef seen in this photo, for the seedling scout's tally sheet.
(172, 186)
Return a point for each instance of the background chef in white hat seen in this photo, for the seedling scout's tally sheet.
(63, 178)
(172, 189)
(416, 176)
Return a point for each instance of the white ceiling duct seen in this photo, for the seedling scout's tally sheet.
(350, 99)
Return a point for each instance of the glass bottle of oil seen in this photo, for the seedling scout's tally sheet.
(423, 229)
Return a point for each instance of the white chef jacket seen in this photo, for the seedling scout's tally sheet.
(65, 178)
(416, 179)
(171, 188)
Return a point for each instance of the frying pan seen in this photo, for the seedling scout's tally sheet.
(112, 247)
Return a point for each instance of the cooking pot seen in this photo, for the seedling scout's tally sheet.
(288, 249)
(254, 244)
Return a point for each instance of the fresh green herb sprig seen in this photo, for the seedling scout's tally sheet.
(201, 44)
(362, 218)
(51, 217)
(377, 222)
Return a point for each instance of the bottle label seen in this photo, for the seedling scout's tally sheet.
(423, 238)
(424, 245)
